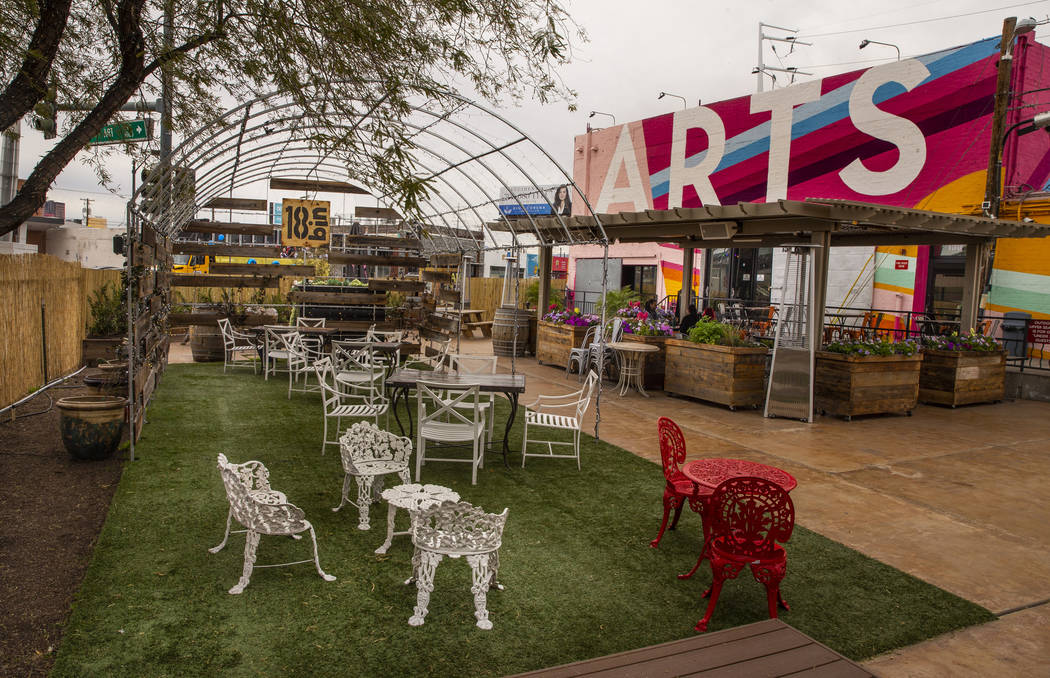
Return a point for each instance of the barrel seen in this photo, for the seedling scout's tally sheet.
(206, 343)
(505, 323)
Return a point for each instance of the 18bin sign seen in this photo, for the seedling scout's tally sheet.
(305, 223)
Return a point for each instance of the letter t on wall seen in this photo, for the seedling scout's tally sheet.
(781, 103)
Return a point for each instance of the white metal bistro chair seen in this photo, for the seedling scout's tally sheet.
(596, 359)
(432, 355)
(261, 510)
(469, 363)
(580, 355)
(361, 401)
(442, 418)
(563, 413)
(369, 454)
(274, 350)
(457, 530)
(314, 344)
(300, 363)
(235, 343)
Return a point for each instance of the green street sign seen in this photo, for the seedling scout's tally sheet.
(119, 132)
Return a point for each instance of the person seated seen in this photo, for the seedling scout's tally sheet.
(689, 320)
(709, 313)
(650, 307)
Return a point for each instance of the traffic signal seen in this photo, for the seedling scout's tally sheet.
(46, 110)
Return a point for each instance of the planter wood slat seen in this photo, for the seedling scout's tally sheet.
(554, 341)
(848, 385)
(728, 375)
(655, 363)
(962, 377)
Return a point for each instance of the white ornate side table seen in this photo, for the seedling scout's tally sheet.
(413, 497)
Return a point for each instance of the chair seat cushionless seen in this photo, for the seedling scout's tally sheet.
(552, 420)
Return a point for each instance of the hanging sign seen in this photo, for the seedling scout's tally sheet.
(304, 223)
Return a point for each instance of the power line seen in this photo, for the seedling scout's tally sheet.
(922, 21)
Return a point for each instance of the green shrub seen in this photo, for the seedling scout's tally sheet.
(109, 315)
(720, 334)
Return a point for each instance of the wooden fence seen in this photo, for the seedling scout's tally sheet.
(487, 293)
(36, 287)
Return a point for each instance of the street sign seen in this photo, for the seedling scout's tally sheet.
(119, 132)
(305, 223)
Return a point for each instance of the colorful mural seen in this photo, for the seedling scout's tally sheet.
(911, 133)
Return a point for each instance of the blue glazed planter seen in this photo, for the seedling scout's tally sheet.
(91, 426)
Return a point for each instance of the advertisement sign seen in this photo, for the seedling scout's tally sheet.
(305, 223)
(520, 201)
(532, 265)
(905, 133)
(560, 264)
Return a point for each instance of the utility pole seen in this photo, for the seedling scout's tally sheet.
(87, 210)
(761, 68)
(992, 186)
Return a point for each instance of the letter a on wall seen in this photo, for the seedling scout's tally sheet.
(305, 223)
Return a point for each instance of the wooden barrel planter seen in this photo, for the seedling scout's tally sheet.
(510, 331)
(206, 343)
(654, 362)
(962, 377)
(728, 375)
(554, 341)
(849, 385)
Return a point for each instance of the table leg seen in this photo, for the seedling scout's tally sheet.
(390, 515)
(513, 398)
(625, 371)
(702, 507)
(639, 377)
(401, 392)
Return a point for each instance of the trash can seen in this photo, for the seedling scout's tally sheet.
(1015, 329)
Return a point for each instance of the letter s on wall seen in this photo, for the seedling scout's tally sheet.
(901, 132)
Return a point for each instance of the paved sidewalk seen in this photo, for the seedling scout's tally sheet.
(956, 497)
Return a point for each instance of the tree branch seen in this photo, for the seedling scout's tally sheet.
(30, 83)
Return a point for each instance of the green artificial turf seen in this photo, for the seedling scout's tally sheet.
(581, 580)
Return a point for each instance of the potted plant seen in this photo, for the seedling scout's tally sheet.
(716, 363)
(867, 377)
(107, 326)
(960, 370)
(649, 328)
(91, 426)
(559, 332)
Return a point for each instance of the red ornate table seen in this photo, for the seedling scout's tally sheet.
(708, 474)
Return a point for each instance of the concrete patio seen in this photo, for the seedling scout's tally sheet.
(956, 497)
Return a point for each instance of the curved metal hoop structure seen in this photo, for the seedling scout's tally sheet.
(470, 159)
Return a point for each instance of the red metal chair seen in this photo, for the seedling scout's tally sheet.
(678, 489)
(748, 517)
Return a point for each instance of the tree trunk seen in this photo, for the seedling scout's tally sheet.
(132, 73)
(30, 83)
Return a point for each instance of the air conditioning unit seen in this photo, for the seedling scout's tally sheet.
(718, 230)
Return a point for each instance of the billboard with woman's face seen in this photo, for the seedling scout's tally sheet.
(526, 200)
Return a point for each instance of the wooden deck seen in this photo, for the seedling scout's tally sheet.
(763, 649)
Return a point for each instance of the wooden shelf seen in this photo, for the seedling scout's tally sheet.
(377, 260)
(202, 280)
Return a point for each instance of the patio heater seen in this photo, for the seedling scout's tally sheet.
(790, 389)
(510, 325)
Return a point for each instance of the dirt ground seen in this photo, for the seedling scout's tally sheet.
(53, 508)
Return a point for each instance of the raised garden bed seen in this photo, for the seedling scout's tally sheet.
(728, 375)
(849, 385)
(962, 377)
(554, 341)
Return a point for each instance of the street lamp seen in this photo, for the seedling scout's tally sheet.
(668, 94)
(594, 113)
(1039, 121)
(864, 43)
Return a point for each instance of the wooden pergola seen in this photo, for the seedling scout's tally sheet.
(814, 222)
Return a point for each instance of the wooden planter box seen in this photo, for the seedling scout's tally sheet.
(654, 362)
(553, 342)
(99, 349)
(728, 375)
(962, 377)
(847, 385)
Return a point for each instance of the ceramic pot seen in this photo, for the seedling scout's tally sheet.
(91, 426)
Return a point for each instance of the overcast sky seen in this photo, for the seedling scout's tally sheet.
(699, 50)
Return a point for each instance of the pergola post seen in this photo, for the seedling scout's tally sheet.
(546, 264)
(820, 254)
(973, 281)
(686, 295)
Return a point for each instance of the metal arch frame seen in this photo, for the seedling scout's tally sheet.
(229, 136)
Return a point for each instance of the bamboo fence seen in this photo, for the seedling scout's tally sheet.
(44, 300)
(487, 293)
